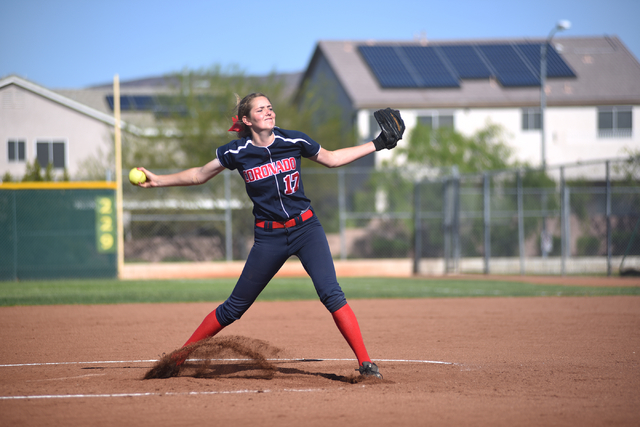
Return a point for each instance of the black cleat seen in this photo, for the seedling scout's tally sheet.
(369, 369)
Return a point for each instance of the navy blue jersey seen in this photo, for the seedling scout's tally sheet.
(272, 174)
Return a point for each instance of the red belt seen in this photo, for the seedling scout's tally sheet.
(286, 224)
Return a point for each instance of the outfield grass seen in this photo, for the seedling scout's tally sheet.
(168, 291)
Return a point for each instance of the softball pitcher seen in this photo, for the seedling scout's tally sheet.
(268, 159)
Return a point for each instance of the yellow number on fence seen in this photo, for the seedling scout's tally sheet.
(106, 224)
(105, 205)
(105, 220)
(106, 242)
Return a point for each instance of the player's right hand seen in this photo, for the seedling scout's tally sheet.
(152, 179)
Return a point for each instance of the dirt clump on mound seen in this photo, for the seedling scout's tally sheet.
(228, 356)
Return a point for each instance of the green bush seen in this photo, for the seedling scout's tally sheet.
(390, 248)
(588, 246)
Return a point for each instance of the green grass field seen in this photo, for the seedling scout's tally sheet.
(168, 291)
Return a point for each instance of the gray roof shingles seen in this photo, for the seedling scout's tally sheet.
(607, 74)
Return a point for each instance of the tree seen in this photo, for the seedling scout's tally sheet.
(630, 169)
(48, 172)
(33, 172)
(444, 147)
(436, 154)
(194, 120)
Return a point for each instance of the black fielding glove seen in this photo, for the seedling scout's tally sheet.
(392, 127)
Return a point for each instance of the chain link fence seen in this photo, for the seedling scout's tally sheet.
(571, 219)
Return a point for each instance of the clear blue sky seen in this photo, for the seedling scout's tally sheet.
(79, 43)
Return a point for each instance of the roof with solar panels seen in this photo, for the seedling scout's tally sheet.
(480, 73)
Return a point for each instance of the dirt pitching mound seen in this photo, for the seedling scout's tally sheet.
(228, 356)
(237, 357)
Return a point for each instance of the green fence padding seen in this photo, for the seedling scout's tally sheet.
(57, 232)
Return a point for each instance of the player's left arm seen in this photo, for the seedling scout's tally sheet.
(392, 129)
(343, 156)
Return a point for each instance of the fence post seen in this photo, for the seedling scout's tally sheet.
(446, 224)
(520, 220)
(568, 220)
(342, 211)
(608, 214)
(456, 219)
(487, 221)
(227, 216)
(543, 234)
(417, 227)
(563, 224)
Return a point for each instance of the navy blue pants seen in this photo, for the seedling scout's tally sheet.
(272, 247)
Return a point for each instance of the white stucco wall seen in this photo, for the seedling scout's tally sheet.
(31, 117)
(571, 133)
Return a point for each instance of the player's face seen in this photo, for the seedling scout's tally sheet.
(262, 115)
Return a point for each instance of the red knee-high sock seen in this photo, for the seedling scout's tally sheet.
(348, 324)
(208, 328)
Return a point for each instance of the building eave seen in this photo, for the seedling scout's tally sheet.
(67, 102)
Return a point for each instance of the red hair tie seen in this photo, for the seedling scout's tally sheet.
(237, 125)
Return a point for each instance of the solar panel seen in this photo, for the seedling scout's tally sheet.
(167, 106)
(413, 66)
(143, 102)
(556, 67)
(135, 102)
(429, 66)
(126, 103)
(465, 61)
(387, 66)
(510, 68)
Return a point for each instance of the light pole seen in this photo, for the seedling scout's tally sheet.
(546, 241)
(560, 26)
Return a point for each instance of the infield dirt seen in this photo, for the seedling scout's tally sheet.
(561, 361)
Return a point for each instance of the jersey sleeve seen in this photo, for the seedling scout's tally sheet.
(311, 148)
(223, 153)
(308, 147)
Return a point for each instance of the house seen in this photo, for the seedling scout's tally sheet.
(38, 123)
(592, 91)
(67, 127)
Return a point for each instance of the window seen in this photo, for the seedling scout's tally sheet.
(531, 119)
(16, 150)
(436, 120)
(51, 152)
(614, 122)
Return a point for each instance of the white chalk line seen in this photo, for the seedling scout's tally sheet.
(66, 378)
(187, 393)
(191, 393)
(77, 363)
(311, 359)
